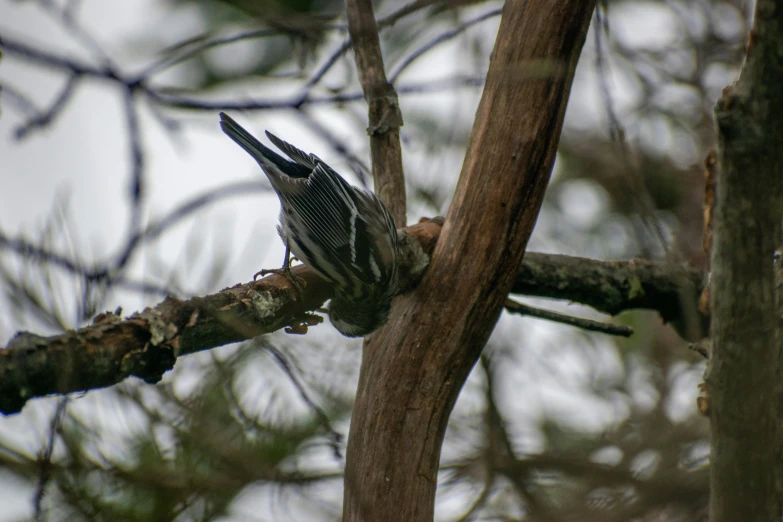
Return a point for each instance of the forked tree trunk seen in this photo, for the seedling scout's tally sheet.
(412, 370)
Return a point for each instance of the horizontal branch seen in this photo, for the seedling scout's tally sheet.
(612, 287)
(148, 343)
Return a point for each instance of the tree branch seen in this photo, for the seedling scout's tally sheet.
(613, 286)
(385, 118)
(147, 344)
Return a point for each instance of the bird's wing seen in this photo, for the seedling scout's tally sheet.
(326, 208)
(298, 155)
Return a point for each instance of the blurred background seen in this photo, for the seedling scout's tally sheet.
(111, 158)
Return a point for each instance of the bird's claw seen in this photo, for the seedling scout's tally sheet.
(297, 282)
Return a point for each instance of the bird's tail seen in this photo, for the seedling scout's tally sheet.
(266, 157)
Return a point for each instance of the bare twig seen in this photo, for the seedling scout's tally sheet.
(41, 254)
(195, 46)
(321, 72)
(20, 99)
(44, 118)
(335, 439)
(402, 12)
(163, 97)
(71, 8)
(444, 37)
(478, 502)
(186, 102)
(51, 59)
(67, 18)
(45, 460)
(190, 50)
(136, 194)
(191, 206)
(637, 190)
(585, 324)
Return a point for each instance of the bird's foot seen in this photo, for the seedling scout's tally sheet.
(297, 282)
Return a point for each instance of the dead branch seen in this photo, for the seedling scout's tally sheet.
(514, 307)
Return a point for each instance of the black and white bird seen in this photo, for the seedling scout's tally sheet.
(345, 234)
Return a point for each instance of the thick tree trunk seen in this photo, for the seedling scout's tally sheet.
(745, 378)
(413, 369)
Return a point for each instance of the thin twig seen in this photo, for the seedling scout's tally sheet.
(67, 18)
(334, 437)
(42, 255)
(444, 37)
(249, 422)
(186, 209)
(45, 461)
(585, 324)
(22, 101)
(137, 177)
(185, 102)
(412, 7)
(164, 97)
(319, 74)
(170, 61)
(194, 50)
(637, 188)
(42, 119)
(50, 59)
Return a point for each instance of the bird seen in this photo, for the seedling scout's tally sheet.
(343, 233)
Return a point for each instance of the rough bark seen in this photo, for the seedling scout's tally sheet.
(114, 348)
(744, 377)
(413, 369)
(148, 343)
(614, 286)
